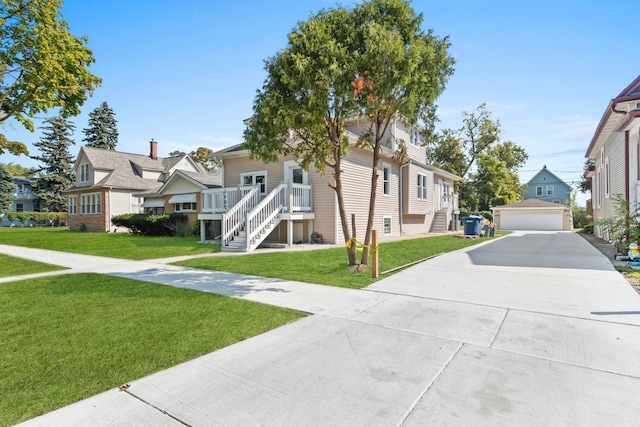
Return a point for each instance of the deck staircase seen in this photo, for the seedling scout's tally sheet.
(439, 224)
(251, 220)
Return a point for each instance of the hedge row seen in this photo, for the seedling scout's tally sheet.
(151, 225)
(38, 218)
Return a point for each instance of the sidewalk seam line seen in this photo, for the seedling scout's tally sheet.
(429, 385)
(499, 327)
(157, 408)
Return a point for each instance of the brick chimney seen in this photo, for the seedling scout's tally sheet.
(153, 149)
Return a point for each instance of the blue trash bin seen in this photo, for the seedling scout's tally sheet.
(472, 225)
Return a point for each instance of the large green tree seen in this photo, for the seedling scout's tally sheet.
(102, 131)
(42, 65)
(6, 190)
(474, 151)
(373, 62)
(56, 174)
(401, 72)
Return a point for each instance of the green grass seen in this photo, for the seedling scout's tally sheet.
(65, 338)
(11, 266)
(117, 245)
(329, 266)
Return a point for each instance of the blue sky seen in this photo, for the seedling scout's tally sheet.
(186, 73)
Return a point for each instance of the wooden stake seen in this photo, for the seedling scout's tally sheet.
(374, 253)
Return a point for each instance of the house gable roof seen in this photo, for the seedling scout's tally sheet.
(543, 171)
(125, 170)
(199, 179)
(618, 110)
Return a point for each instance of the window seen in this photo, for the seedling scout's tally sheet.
(386, 180)
(422, 187)
(72, 208)
(386, 225)
(414, 137)
(255, 178)
(188, 206)
(84, 172)
(539, 190)
(549, 190)
(19, 207)
(607, 179)
(91, 203)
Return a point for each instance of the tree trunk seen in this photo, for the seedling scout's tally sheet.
(372, 201)
(351, 248)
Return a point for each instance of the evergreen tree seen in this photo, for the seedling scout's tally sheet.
(102, 131)
(57, 174)
(6, 190)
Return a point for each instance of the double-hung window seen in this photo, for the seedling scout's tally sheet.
(539, 190)
(72, 208)
(549, 190)
(422, 187)
(91, 203)
(386, 180)
(84, 172)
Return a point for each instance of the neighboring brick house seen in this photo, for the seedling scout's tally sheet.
(546, 186)
(107, 183)
(282, 203)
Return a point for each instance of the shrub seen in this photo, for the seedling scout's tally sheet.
(152, 224)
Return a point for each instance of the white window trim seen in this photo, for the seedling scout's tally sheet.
(179, 207)
(422, 184)
(84, 172)
(94, 206)
(386, 167)
(384, 219)
(72, 205)
(549, 190)
(607, 179)
(539, 187)
(254, 175)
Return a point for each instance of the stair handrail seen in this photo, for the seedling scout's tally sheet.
(234, 219)
(263, 213)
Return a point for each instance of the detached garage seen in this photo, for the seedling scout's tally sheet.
(533, 214)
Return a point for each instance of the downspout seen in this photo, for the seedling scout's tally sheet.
(109, 213)
(400, 197)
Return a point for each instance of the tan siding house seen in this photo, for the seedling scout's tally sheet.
(412, 199)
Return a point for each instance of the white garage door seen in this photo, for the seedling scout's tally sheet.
(531, 220)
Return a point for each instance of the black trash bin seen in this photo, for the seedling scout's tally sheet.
(472, 225)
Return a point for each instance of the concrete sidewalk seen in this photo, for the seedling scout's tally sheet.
(530, 329)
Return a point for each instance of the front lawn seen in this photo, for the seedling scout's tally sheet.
(65, 338)
(117, 245)
(11, 266)
(329, 266)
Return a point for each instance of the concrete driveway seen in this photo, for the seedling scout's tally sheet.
(530, 329)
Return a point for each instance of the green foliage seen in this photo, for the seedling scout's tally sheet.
(42, 65)
(485, 214)
(624, 226)
(18, 170)
(489, 167)
(66, 338)
(585, 183)
(6, 190)
(151, 224)
(57, 174)
(372, 62)
(202, 155)
(103, 130)
(40, 219)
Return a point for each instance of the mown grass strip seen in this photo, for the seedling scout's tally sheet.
(65, 338)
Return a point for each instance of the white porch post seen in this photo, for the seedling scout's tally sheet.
(289, 232)
(202, 231)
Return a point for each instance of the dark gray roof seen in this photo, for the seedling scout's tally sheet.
(208, 179)
(532, 203)
(125, 170)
